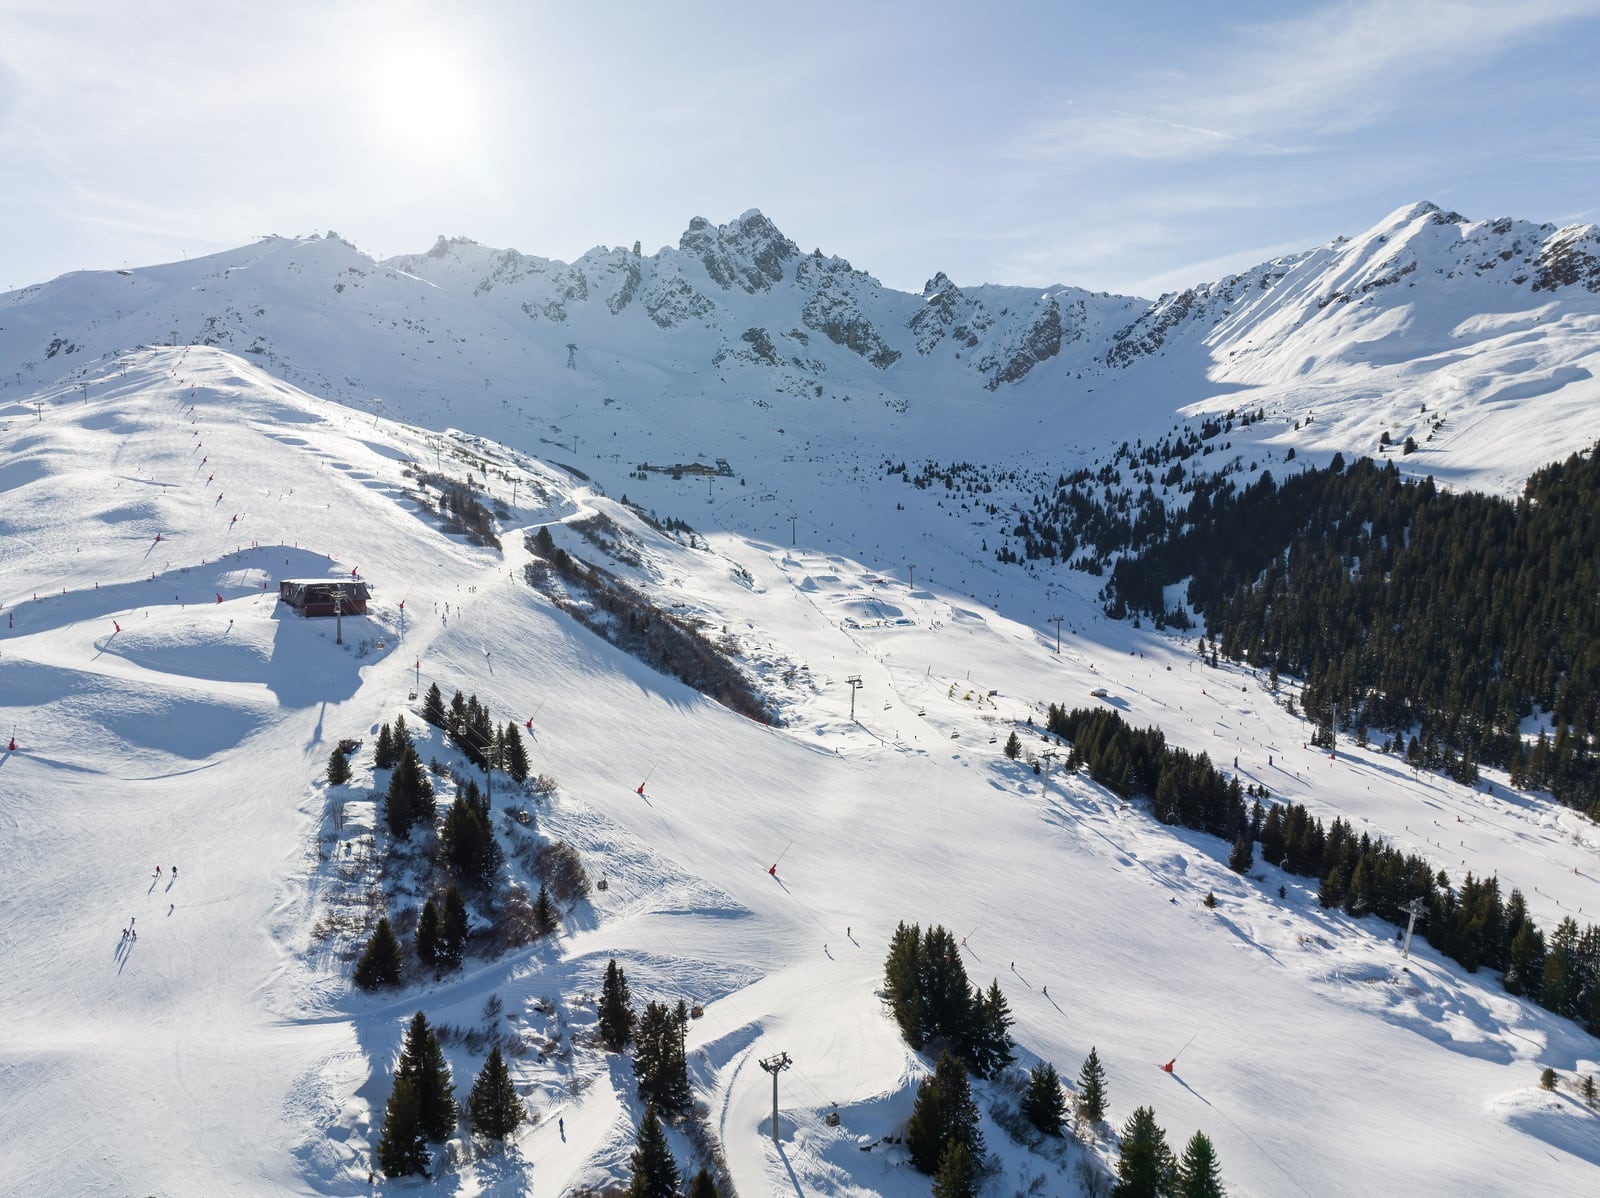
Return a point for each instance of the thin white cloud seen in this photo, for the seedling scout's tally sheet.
(1273, 87)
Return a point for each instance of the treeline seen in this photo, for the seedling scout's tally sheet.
(1442, 619)
(628, 620)
(1471, 923)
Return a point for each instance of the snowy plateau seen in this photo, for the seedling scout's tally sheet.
(176, 439)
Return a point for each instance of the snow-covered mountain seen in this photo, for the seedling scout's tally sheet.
(166, 709)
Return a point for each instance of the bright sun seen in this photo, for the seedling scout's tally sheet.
(424, 101)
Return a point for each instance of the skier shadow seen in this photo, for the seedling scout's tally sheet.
(1190, 1088)
(153, 882)
(782, 883)
(122, 954)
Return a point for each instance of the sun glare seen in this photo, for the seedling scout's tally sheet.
(424, 101)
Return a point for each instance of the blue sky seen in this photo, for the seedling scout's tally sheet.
(1124, 147)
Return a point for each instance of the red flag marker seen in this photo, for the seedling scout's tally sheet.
(117, 626)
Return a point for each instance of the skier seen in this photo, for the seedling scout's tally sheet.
(158, 871)
(133, 933)
(773, 869)
(1047, 991)
(174, 873)
(561, 1126)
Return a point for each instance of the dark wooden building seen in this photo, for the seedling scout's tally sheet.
(325, 596)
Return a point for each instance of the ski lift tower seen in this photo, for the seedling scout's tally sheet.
(1047, 757)
(338, 615)
(855, 684)
(1412, 909)
(775, 1065)
(1056, 620)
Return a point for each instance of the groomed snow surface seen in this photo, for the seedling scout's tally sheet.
(224, 1051)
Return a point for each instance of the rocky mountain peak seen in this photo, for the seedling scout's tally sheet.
(748, 253)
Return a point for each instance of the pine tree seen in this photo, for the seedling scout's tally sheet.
(427, 941)
(433, 706)
(991, 1041)
(655, 1173)
(453, 931)
(1243, 855)
(545, 916)
(901, 985)
(380, 963)
(702, 1186)
(1587, 1089)
(468, 846)
(1044, 1105)
(515, 760)
(659, 1060)
(925, 1134)
(422, 1062)
(383, 752)
(956, 1176)
(493, 1103)
(409, 800)
(616, 1009)
(1092, 1089)
(402, 736)
(401, 1150)
(1199, 1175)
(944, 1111)
(1145, 1167)
(1013, 748)
(338, 768)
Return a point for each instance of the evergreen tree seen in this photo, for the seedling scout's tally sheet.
(655, 1173)
(338, 768)
(1044, 1105)
(453, 931)
(702, 1186)
(422, 1063)
(433, 706)
(925, 1135)
(944, 1111)
(1092, 1089)
(991, 1041)
(1145, 1167)
(515, 759)
(1013, 747)
(901, 985)
(467, 843)
(493, 1103)
(427, 942)
(545, 916)
(616, 1009)
(1199, 1175)
(1587, 1089)
(402, 736)
(401, 1150)
(457, 719)
(1243, 855)
(380, 963)
(659, 1060)
(409, 800)
(383, 752)
(956, 1176)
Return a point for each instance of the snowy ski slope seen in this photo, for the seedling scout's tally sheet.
(167, 711)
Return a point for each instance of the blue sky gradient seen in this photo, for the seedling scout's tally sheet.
(1130, 148)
